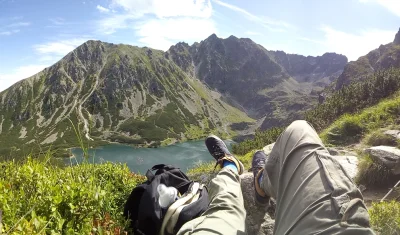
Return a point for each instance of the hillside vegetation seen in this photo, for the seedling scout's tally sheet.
(37, 197)
(355, 97)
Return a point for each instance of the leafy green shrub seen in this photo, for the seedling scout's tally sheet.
(39, 198)
(261, 139)
(385, 217)
(377, 138)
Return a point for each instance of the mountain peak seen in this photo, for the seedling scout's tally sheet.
(397, 38)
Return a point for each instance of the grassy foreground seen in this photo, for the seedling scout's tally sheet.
(37, 197)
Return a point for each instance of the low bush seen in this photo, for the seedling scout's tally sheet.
(385, 217)
(37, 197)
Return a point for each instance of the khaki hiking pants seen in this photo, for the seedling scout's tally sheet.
(313, 193)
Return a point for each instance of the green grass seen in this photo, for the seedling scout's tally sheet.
(376, 138)
(206, 170)
(350, 128)
(374, 175)
(37, 197)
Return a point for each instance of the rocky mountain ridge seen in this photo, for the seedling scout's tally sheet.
(264, 84)
(384, 57)
(127, 94)
(120, 93)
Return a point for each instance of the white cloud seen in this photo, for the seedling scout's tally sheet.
(111, 24)
(58, 48)
(8, 33)
(271, 24)
(163, 8)
(252, 33)
(48, 53)
(160, 23)
(162, 33)
(20, 73)
(18, 24)
(357, 44)
(13, 28)
(58, 21)
(391, 5)
(102, 9)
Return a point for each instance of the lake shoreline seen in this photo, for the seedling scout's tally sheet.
(184, 155)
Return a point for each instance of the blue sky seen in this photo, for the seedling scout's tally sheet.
(36, 34)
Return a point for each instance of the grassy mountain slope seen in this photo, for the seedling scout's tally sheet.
(117, 93)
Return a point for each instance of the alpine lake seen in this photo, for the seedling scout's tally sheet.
(183, 155)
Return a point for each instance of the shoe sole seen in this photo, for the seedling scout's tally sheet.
(241, 170)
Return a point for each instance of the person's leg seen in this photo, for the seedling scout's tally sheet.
(226, 213)
(314, 194)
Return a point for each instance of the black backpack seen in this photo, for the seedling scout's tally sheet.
(144, 211)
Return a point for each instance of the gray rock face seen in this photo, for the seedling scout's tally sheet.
(267, 149)
(259, 220)
(349, 163)
(394, 133)
(386, 155)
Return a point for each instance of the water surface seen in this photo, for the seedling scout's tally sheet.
(184, 155)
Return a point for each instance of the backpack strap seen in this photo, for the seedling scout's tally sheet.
(177, 205)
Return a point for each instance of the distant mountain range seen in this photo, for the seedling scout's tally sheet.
(127, 94)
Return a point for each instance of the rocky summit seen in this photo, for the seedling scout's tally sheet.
(385, 57)
(265, 84)
(126, 94)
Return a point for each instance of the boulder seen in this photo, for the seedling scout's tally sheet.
(387, 156)
(350, 164)
(267, 149)
(393, 133)
(259, 220)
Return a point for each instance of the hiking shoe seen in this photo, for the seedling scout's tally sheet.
(257, 166)
(220, 152)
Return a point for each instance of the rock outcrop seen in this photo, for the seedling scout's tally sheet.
(259, 220)
(386, 155)
(394, 133)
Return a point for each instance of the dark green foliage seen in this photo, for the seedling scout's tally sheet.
(240, 126)
(169, 118)
(145, 129)
(355, 97)
(261, 139)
